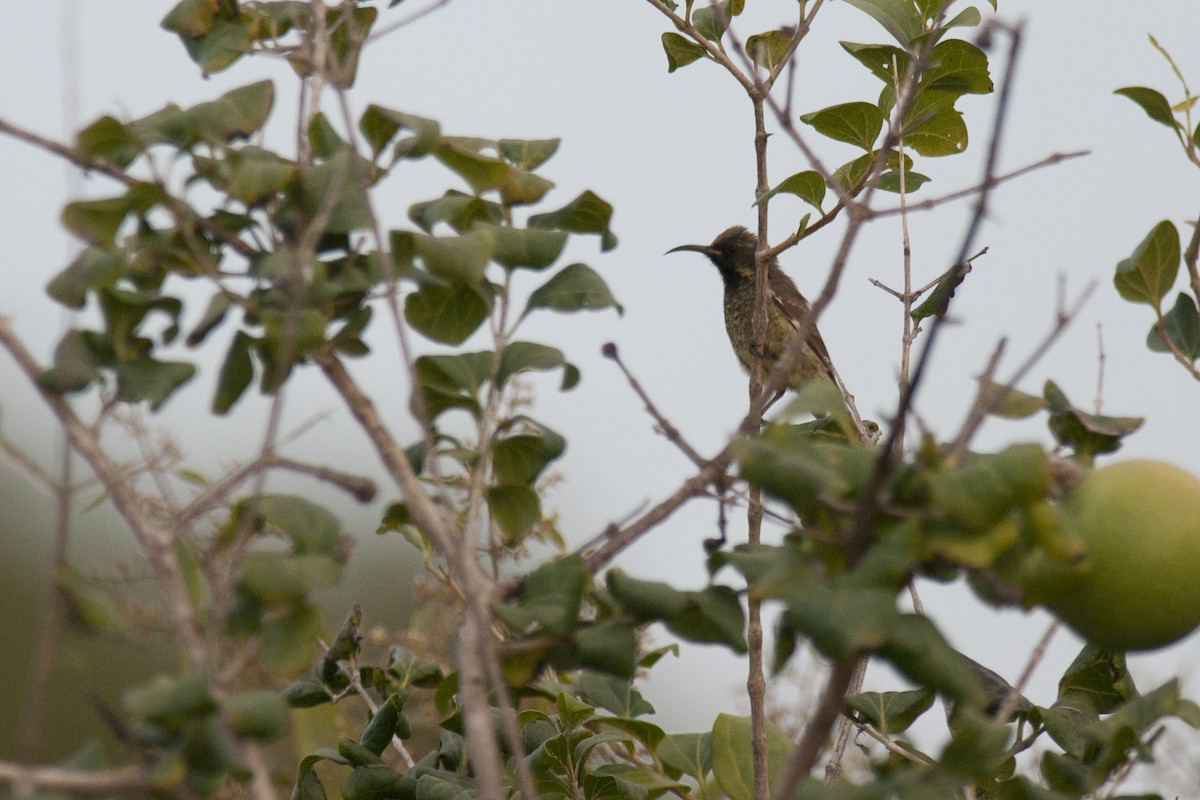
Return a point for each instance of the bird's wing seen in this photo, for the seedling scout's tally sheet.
(788, 299)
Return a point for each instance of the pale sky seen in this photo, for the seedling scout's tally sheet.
(673, 154)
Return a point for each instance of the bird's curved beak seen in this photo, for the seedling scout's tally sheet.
(691, 248)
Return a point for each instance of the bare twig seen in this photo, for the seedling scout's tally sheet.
(664, 425)
(61, 779)
(986, 184)
(804, 754)
(1013, 697)
(157, 543)
(833, 769)
(105, 167)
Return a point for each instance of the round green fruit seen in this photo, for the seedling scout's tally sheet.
(1139, 586)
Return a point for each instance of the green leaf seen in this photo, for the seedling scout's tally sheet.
(348, 33)
(689, 753)
(572, 711)
(933, 126)
(680, 51)
(890, 181)
(1087, 434)
(334, 192)
(808, 185)
(530, 248)
(798, 472)
(518, 460)
(193, 18)
(938, 301)
(768, 49)
(94, 268)
(573, 288)
(460, 211)
(521, 357)
(89, 606)
(151, 380)
(958, 67)
(732, 760)
(1152, 102)
(237, 114)
(259, 175)
(879, 58)
(310, 527)
(107, 139)
(713, 615)
(408, 669)
(171, 702)
(75, 365)
(380, 125)
(218, 306)
(842, 622)
(460, 259)
(379, 782)
(1007, 402)
(1181, 325)
(97, 221)
(856, 123)
(289, 641)
(482, 173)
(528, 154)
(516, 509)
(609, 647)
(275, 577)
(712, 20)
(220, 47)
(1148, 274)
(918, 650)
(236, 374)
(898, 17)
(377, 736)
(554, 592)
(587, 213)
(890, 712)
(448, 314)
(613, 694)
(977, 748)
(523, 188)
(260, 714)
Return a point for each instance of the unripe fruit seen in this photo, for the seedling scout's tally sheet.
(1139, 587)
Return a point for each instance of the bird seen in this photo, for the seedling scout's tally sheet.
(733, 253)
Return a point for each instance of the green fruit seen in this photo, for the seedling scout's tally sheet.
(1139, 586)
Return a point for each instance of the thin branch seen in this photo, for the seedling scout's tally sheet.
(1063, 318)
(987, 183)
(714, 52)
(618, 539)
(110, 169)
(803, 756)
(392, 27)
(1191, 254)
(158, 544)
(61, 779)
(871, 495)
(833, 769)
(892, 747)
(609, 350)
(1013, 697)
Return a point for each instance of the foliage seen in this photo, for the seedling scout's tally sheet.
(1148, 275)
(295, 264)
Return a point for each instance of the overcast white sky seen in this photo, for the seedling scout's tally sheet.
(673, 153)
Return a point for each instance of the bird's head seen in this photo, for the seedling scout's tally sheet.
(732, 252)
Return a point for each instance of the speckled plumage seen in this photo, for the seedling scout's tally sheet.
(733, 253)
